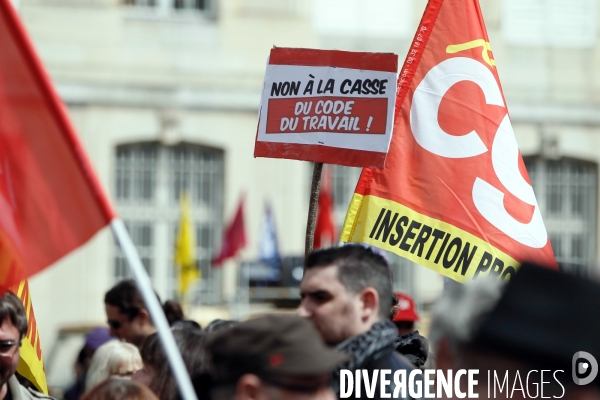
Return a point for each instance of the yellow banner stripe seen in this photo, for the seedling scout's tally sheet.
(31, 363)
(427, 241)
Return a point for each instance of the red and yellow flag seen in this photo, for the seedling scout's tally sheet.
(454, 195)
(31, 364)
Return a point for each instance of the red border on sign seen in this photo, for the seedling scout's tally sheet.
(322, 154)
(386, 62)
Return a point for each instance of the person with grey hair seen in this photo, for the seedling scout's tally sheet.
(114, 359)
(347, 294)
(459, 312)
(521, 336)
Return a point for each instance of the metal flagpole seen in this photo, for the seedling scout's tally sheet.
(154, 308)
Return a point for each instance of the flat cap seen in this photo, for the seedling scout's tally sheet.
(274, 345)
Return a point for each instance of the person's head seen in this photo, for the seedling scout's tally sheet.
(173, 311)
(156, 372)
(127, 315)
(93, 340)
(537, 321)
(113, 359)
(345, 290)
(219, 324)
(119, 389)
(13, 327)
(404, 313)
(269, 358)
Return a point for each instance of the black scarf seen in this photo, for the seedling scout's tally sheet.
(366, 347)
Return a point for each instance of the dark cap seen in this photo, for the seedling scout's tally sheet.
(543, 318)
(274, 345)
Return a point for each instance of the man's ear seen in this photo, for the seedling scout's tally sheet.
(248, 387)
(369, 299)
(144, 316)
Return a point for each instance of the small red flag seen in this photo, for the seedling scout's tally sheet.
(325, 226)
(235, 237)
(454, 195)
(50, 199)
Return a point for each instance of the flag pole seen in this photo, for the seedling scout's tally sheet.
(154, 308)
(315, 188)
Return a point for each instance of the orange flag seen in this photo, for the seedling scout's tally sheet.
(50, 199)
(454, 195)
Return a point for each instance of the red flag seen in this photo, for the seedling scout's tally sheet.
(50, 199)
(235, 236)
(454, 195)
(325, 227)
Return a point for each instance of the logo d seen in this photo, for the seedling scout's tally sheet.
(582, 363)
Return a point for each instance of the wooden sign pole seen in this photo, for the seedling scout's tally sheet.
(315, 189)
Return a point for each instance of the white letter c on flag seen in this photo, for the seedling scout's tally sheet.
(426, 103)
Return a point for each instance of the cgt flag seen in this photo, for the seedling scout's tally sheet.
(50, 199)
(454, 195)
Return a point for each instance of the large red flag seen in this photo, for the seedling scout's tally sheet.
(454, 195)
(325, 226)
(235, 237)
(50, 199)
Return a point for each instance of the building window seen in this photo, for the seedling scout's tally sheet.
(172, 4)
(387, 19)
(557, 23)
(142, 235)
(566, 193)
(136, 173)
(179, 10)
(149, 180)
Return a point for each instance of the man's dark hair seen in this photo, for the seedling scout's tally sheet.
(173, 311)
(358, 268)
(126, 296)
(12, 308)
(217, 325)
(191, 344)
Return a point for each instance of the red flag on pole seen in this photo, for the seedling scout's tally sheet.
(50, 199)
(235, 236)
(325, 226)
(454, 195)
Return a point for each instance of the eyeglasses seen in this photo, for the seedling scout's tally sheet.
(114, 324)
(7, 347)
(124, 374)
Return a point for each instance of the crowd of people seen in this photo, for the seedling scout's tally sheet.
(349, 323)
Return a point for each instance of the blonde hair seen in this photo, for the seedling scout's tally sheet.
(108, 359)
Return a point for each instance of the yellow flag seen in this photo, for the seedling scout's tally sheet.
(31, 363)
(185, 248)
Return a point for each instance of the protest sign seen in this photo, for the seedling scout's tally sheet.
(454, 195)
(332, 107)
